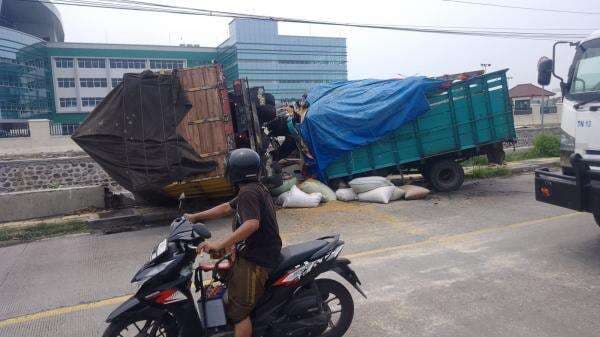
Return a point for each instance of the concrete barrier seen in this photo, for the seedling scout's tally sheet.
(43, 203)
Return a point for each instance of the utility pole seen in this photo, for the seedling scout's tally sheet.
(542, 108)
(485, 66)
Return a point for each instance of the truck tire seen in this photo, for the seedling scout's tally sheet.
(446, 175)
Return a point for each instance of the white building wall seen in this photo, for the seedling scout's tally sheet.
(535, 118)
(78, 73)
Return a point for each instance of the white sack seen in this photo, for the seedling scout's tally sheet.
(381, 195)
(315, 186)
(365, 184)
(398, 194)
(346, 194)
(295, 198)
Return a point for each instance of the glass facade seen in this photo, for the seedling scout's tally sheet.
(25, 77)
(286, 66)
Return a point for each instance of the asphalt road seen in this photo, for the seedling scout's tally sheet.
(485, 261)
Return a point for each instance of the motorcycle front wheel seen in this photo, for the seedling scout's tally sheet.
(135, 327)
(338, 304)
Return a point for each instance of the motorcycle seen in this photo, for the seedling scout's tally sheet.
(295, 304)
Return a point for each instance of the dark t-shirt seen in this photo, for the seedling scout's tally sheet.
(254, 202)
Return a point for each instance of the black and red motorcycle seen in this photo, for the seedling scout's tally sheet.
(296, 302)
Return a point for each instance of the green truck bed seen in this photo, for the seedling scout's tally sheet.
(472, 117)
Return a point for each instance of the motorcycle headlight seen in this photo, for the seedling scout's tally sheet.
(159, 249)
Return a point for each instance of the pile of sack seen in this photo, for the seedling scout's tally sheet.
(379, 190)
(308, 194)
(312, 192)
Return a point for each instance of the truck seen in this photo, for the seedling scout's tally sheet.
(577, 187)
(162, 134)
(470, 117)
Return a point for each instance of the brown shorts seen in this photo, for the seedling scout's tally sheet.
(245, 286)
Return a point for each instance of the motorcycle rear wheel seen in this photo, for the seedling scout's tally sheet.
(141, 326)
(337, 300)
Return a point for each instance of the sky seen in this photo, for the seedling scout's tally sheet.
(371, 53)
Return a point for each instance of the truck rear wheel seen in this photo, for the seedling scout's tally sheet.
(446, 175)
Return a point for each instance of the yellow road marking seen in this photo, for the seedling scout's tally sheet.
(62, 311)
(457, 237)
(433, 240)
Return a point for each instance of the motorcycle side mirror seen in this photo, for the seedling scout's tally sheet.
(545, 67)
(201, 231)
(181, 200)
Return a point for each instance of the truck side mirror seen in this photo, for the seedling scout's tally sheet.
(545, 67)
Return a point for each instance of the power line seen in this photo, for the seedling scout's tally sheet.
(161, 8)
(523, 8)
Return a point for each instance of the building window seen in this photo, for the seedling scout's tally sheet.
(64, 63)
(68, 102)
(90, 101)
(127, 64)
(37, 63)
(166, 64)
(522, 107)
(92, 82)
(116, 81)
(66, 82)
(91, 63)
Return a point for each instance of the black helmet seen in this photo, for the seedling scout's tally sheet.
(242, 165)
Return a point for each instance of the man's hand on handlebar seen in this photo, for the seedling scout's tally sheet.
(190, 217)
(208, 247)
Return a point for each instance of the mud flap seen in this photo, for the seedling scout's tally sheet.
(342, 267)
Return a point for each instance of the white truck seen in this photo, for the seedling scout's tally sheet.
(578, 187)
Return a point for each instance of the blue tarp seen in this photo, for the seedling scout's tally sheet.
(346, 115)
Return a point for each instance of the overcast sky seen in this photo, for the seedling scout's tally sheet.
(371, 53)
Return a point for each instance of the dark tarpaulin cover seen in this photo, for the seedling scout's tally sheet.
(346, 115)
(132, 134)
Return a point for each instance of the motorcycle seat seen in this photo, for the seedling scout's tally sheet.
(294, 255)
(207, 266)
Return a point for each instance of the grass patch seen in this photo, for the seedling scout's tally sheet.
(481, 172)
(544, 146)
(41, 230)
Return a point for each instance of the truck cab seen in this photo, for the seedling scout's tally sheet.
(578, 187)
(581, 115)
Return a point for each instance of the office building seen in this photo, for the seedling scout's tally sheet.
(41, 76)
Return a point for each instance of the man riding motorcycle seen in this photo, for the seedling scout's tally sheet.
(255, 237)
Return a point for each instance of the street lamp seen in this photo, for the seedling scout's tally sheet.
(485, 66)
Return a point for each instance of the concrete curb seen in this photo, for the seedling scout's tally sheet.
(532, 165)
(15, 206)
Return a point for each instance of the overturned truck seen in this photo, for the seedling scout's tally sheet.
(161, 134)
